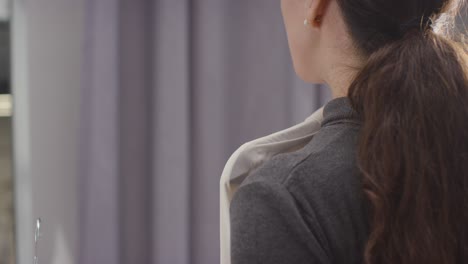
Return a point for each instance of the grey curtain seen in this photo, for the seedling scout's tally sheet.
(171, 89)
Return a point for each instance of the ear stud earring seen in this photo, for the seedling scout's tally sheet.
(317, 20)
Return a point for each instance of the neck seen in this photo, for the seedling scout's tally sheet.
(339, 83)
(339, 78)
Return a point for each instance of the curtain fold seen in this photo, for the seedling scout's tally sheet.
(171, 89)
(135, 128)
(209, 119)
(99, 137)
(171, 171)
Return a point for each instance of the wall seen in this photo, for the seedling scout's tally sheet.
(47, 47)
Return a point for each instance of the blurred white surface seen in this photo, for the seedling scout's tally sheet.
(5, 10)
(46, 84)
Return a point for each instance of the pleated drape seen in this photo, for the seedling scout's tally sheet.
(171, 88)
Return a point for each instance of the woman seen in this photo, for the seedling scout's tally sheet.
(385, 179)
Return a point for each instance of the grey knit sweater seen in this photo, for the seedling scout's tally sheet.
(305, 206)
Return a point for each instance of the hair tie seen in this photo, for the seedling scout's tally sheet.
(421, 23)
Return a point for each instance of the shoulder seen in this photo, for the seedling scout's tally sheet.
(314, 195)
(324, 164)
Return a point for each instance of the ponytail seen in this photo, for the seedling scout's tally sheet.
(412, 95)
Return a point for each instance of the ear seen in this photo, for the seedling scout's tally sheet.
(316, 10)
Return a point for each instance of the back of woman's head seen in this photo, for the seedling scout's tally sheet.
(412, 94)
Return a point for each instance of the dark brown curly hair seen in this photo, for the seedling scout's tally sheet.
(412, 94)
